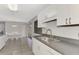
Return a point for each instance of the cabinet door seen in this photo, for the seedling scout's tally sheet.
(40, 21)
(39, 48)
(63, 14)
(47, 14)
(68, 15)
(35, 47)
(2, 42)
(74, 14)
(42, 18)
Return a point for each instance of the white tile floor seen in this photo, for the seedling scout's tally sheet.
(16, 47)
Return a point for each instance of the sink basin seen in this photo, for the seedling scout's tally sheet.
(48, 40)
(44, 38)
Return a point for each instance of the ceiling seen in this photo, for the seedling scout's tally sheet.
(24, 14)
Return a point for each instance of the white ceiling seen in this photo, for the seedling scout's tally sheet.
(25, 12)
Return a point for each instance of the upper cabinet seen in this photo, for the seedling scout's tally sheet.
(74, 14)
(63, 15)
(46, 15)
(68, 15)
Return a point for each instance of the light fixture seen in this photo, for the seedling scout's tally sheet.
(13, 7)
(14, 25)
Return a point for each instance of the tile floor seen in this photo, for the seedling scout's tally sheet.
(16, 47)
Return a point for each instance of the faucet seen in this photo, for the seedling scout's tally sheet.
(50, 34)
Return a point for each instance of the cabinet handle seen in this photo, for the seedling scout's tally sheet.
(66, 21)
(69, 20)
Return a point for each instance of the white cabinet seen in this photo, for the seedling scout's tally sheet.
(35, 46)
(2, 41)
(74, 14)
(63, 15)
(47, 14)
(41, 49)
(40, 21)
(68, 15)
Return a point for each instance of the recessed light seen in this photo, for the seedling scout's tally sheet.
(13, 7)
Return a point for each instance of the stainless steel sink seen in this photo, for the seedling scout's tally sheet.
(43, 38)
(47, 39)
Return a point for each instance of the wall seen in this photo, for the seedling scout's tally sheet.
(20, 28)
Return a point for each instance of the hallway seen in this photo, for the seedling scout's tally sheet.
(16, 47)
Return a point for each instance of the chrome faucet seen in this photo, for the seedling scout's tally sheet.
(50, 34)
(49, 30)
(51, 37)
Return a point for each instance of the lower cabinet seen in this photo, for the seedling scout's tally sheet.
(41, 49)
(2, 41)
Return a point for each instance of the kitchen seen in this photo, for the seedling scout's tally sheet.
(39, 29)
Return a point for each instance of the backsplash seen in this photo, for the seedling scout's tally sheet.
(68, 32)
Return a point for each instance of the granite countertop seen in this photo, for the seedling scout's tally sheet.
(62, 46)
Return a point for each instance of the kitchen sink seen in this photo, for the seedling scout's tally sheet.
(47, 39)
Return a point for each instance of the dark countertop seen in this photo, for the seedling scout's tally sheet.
(2, 34)
(62, 46)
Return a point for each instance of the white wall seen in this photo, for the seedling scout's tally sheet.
(20, 28)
